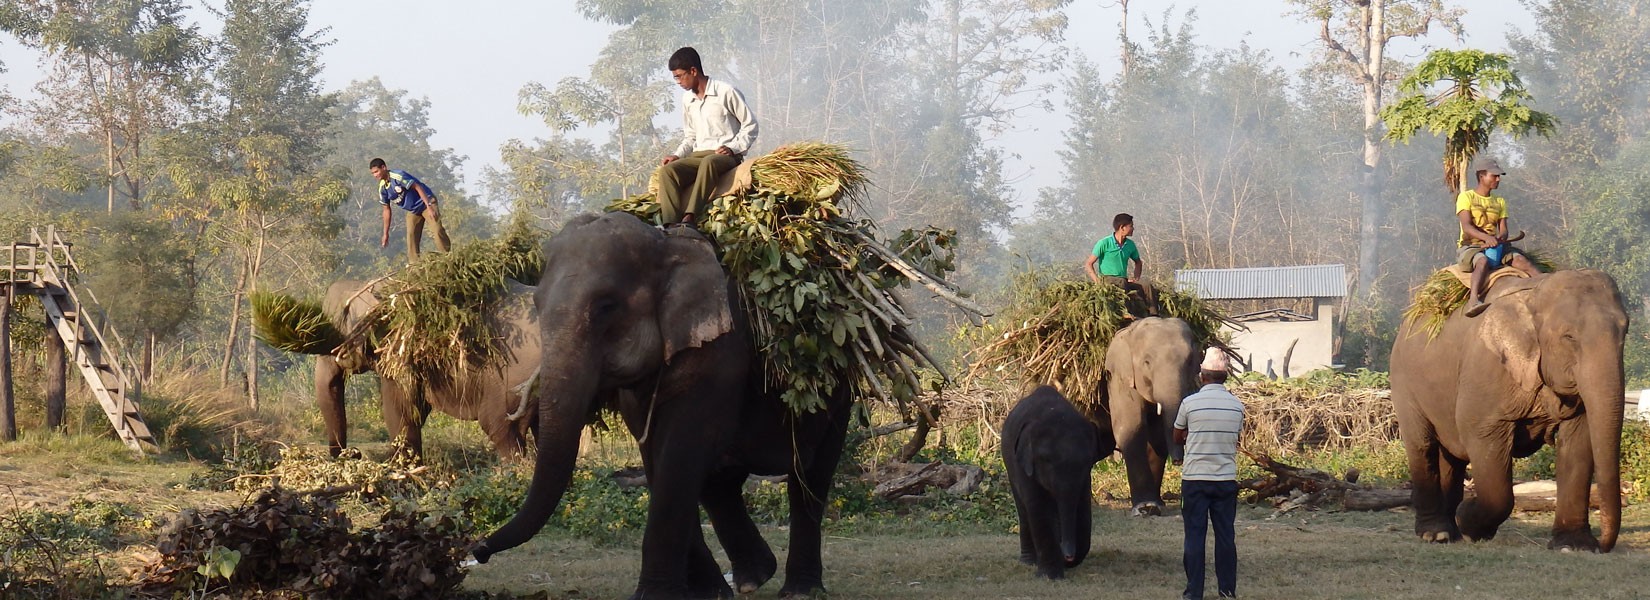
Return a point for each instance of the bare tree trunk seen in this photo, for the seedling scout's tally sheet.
(57, 379)
(1123, 38)
(1369, 182)
(8, 402)
(148, 373)
(252, 344)
(234, 324)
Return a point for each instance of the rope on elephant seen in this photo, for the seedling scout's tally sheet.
(819, 283)
(1056, 329)
(1442, 294)
(431, 316)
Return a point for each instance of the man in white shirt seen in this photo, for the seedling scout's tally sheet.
(719, 129)
(1209, 424)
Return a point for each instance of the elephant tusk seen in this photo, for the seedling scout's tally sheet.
(525, 390)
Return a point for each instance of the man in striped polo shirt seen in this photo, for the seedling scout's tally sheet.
(1208, 425)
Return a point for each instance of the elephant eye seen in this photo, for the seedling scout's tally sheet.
(604, 308)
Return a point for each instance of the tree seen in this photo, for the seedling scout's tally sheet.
(1588, 61)
(1482, 94)
(1355, 34)
(246, 180)
(144, 271)
(121, 70)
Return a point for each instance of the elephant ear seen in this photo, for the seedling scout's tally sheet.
(695, 307)
(1509, 331)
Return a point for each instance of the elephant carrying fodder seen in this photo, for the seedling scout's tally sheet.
(646, 321)
(497, 398)
(1543, 365)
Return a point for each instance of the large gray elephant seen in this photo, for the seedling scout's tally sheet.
(496, 398)
(1151, 365)
(646, 321)
(1542, 365)
(1049, 449)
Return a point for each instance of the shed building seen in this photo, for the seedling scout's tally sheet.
(1289, 313)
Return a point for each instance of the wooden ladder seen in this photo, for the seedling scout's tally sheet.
(98, 351)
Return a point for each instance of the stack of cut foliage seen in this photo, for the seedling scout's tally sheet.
(1443, 293)
(431, 316)
(285, 542)
(819, 284)
(1322, 410)
(1056, 331)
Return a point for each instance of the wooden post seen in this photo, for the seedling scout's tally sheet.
(57, 370)
(8, 403)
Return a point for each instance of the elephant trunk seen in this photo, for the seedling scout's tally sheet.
(1604, 402)
(1076, 521)
(568, 389)
(1169, 403)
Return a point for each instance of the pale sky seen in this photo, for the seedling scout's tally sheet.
(471, 58)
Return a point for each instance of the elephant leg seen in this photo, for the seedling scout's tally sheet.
(1045, 532)
(809, 490)
(506, 435)
(404, 414)
(753, 561)
(1452, 477)
(1129, 424)
(675, 457)
(1571, 530)
(1019, 486)
(704, 576)
(329, 396)
(1157, 453)
(1434, 512)
(1491, 455)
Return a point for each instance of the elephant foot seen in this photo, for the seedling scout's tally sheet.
(1440, 537)
(747, 578)
(1569, 541)
(1051, 573)
(1027, 558)
(791, 590)
(1147, 509)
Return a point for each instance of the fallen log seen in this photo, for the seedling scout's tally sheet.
(1291, 487)
(899, 480)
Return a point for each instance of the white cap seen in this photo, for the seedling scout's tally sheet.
(1214, 359)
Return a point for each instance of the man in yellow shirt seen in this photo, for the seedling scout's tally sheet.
(1484, 246)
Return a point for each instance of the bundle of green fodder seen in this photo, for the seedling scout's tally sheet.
(1442, 293)
(431, 317)
(1056, 330)
(818, 283)
(1320, 410)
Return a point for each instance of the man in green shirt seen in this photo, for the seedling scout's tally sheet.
(1113, 254)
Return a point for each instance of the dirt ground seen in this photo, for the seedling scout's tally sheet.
(1300, 555)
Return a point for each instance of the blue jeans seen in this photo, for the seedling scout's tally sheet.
(1203, 502)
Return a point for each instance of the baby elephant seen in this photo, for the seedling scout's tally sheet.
(1050, 449)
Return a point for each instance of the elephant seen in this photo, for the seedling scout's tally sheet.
(1543, 365)
(1151, 365)
(1050, 449)
(490, 396)
(646, 321)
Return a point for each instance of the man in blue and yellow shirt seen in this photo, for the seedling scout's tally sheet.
(402, 189)
(1484, 246)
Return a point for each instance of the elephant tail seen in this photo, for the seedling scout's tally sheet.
(293, 325)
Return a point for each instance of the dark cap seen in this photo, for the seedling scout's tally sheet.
(1486, 163)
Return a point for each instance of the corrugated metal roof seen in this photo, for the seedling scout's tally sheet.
(1309, 281)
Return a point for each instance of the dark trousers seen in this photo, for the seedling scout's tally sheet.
(685, 184)
(1203, 503)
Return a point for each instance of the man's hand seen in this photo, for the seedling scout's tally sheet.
(669, 159)
(384, 241)
(724, 151)
(429, 207)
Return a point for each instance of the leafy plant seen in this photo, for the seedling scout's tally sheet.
(1482, 94)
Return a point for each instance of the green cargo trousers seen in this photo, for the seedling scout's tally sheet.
(415, 234)
(685, 184)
